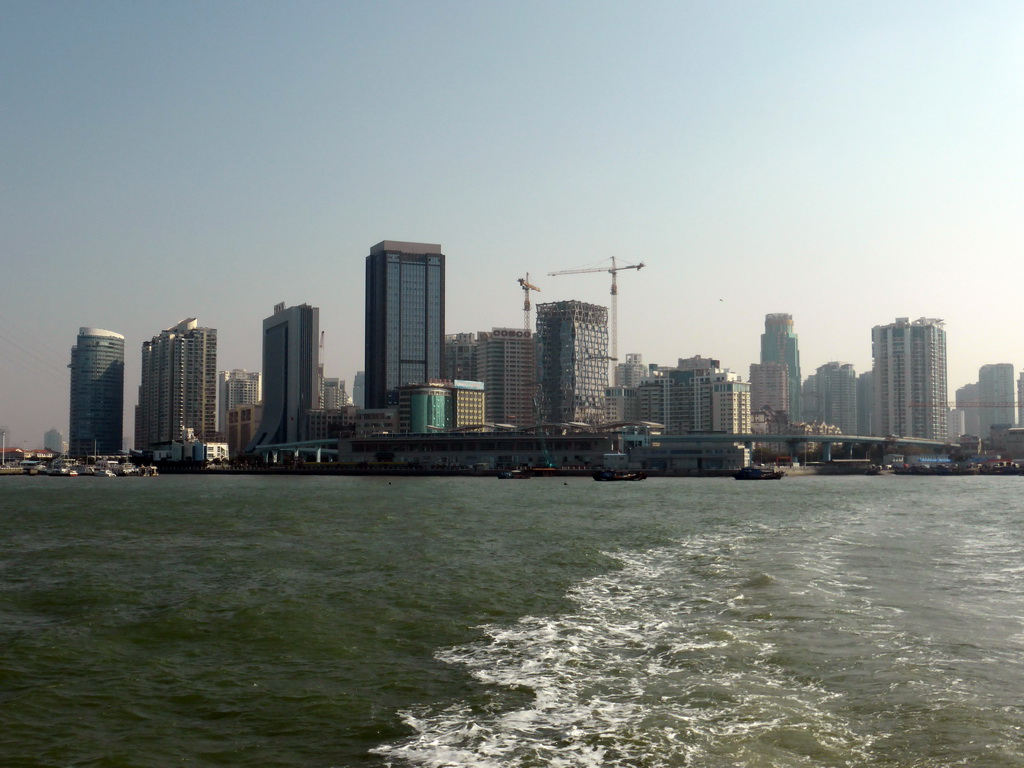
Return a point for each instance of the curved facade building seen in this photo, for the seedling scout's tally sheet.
(97, 392)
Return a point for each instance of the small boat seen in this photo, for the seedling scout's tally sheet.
(759, 473)
(612, 475)
(103, 473)
(514, 474)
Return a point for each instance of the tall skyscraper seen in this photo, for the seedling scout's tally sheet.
(572, 361)
(291, 363)
(506, 362)
(996, 390)
(910, 381)
(178, 391)
(779, 345)
(236, 387)
(97, 393)
(404, 318)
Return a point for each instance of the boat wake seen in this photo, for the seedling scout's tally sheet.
(664, 662)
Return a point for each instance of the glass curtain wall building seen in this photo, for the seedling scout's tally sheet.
(291, 367)
(97, 393)
(779, 345)
(404, 318)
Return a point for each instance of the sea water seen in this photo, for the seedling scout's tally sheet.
(346, 621)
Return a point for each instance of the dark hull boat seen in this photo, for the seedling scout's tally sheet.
(611, 475)
(757, 473)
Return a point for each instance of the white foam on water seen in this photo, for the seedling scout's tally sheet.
(661, 663)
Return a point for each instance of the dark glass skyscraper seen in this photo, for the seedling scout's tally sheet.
(97, 392)
(404, 318)
(291, 362)
(779, 345)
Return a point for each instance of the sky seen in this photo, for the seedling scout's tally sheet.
(844, 162)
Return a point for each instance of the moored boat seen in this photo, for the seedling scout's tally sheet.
(759, 473)
(514, 474)
(615, 474)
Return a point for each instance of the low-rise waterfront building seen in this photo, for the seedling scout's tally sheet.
(490, 450)
(326, 423)
(376, 421)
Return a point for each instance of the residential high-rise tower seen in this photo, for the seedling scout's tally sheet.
(506, 362)
(97, 393)
(178, 391)
(996, 396)
(835, 388)
(404, 318)
(910, 380)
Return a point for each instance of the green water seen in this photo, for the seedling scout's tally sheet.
(323, 621)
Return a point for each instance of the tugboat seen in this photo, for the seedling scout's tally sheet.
(759, 473)
(612, 475)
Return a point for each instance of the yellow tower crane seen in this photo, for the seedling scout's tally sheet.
(613, 270)
(527, 286)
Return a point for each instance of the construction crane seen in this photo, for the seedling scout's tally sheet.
(613, 270)
(527, 286)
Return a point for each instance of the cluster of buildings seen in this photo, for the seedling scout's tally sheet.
(551, 380)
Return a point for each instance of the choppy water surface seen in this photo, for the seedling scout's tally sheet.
(469, 622)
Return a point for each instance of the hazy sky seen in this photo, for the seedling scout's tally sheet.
(845, 162)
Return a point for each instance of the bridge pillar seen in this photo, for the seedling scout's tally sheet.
(318, 448)
(794, 445)
(748, 447)
(826, 452)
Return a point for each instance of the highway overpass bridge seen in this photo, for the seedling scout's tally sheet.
(795, 441)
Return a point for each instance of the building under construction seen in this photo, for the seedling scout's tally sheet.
(572, 362)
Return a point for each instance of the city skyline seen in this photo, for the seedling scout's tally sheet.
(842, 164)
